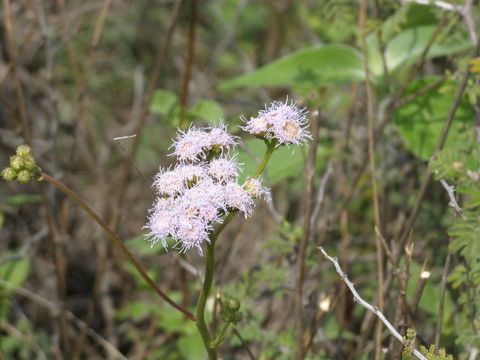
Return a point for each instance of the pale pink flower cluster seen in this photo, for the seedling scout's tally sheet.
(195, 194)
(283, 122)
(194, 144)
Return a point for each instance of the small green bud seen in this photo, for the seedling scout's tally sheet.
(9, 174)
(16, 162)
(24, 176)
(231, 304)
(23, 151)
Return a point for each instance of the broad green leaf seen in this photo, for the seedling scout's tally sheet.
(15, 272)
(408, 46)
(207, 110)
(163, 102)
(420, 121)
(326, 65)
(22, 199)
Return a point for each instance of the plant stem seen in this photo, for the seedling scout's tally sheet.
(117, 241)
(266, 158)
(218, 340)
(202, 300)
(209, 268)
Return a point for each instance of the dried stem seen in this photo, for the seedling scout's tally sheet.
(371, 156)
(302, 251)
(367, 306)
(117, 241)
(188, 62)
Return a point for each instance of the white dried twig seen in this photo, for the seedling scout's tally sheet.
(320, 194)
(453, 202)
(369, 307)
(440, 4)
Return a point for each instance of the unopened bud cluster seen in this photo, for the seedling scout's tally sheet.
(22, 166)
(231, 310)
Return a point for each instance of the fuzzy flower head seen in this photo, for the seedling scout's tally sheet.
(237, 198)
(254, 188)
(190, 146)
(223, 169)
(220, 141)
(283, 122)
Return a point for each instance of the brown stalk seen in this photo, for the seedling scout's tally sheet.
(160, 59)
(188, 62)
(302, 251)
(116, 239)
(371, 155)
(58, 254)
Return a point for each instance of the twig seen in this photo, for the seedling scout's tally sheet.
(302, 251)
(373, 175)
(127, 170)
(443, 289)
(188, 62)
(453, 202)
(244, 344)
(117, 241)
(321, 194)
(440, 4)
(366, 305)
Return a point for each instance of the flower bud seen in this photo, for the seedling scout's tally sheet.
(9, 174)
(24, 176)
(23, 151)
(232, 304)
(16, 162)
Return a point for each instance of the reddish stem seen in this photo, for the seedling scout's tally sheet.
(117, 241)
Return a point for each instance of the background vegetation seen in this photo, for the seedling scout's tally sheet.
(391, 87)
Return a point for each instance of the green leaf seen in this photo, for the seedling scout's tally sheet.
(326, 65)
(207, 110)
(136, 310)
(420, 121)
(163, 102)
(191, 346)
(22, 199)
(15, 272)
(408, 46)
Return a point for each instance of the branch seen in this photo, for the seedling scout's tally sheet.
(369, 307)
(440, 4)
(453, 202)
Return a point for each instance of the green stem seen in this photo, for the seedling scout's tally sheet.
(202, 301)
(209, 268)
(266, 158)
(219, 339)
(116, 239)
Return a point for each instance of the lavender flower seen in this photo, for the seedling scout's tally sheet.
(190, 145)
(203, 187)
(236, 198)
(223, 169)
(283, 122)
(220, 141)
(254, 188)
